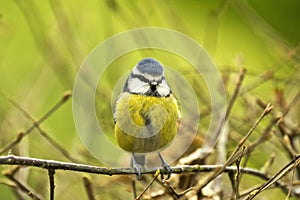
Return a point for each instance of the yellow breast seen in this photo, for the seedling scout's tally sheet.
(145, 123)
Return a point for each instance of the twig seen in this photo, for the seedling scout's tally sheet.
(14, 142)
(266, 111)
(14, 188)
(35, 124)
(51, 173)
(236, 91)
(291, 104)
(149, 185)
(42, 132)
(233, 184)
(236, 154)
(265, 169)
(88, 188)
(275, 178)
(258, 81)
(238, 176)
(285, 142)
(249, 190)
(56, 145)
(55, 165)
(21, 186)
(286, 139)
(199, 152)
(264, 136)
(177, 194)
(291, 185)
(134, 188)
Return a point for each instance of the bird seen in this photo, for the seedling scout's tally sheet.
(146, 114)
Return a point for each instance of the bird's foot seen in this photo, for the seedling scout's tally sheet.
(168, 171)
(166, 166)
(137, 167)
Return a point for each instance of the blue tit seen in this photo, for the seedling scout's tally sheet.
(146, 114)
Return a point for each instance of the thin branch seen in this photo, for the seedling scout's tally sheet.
(291, 185)
(20, 136)
(237, 153)
(266, 111)
(55, 144)
(55, 165)
(149, 185)
(88, 188)
(134, 188)
(25, 189)
(14, 142)
(233, 184)
(285, 142)
(238, 176)
(236, 91)
(264, 136)
(268, 164)
(291, 165)
(178, 194)
(14, 188)
(233, 98)
(291, 104)
(220, 126)
(51, 173)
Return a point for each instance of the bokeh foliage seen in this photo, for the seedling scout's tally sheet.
(43, 43)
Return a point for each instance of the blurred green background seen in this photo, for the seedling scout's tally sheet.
(43, 43)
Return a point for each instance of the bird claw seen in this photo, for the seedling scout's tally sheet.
(168, 171)
(166, 166)
(138, 169)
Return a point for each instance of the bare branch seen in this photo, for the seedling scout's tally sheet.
(237, 153)
(199, 152)
(55, 165)
(149, 185)
(275, 178)
(21, 186)
(51, 173)
(55, 144)
(238, 177)
(236, 91)
(88, 188)
(21, 135)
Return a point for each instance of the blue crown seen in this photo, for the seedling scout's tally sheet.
(150, 66)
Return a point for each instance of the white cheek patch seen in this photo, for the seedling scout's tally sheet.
(163, 91)
(135, 85)
(163, 88)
